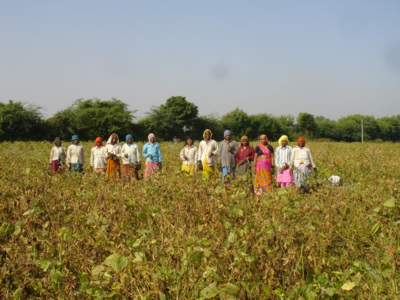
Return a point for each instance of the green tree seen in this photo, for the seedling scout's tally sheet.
(238, 122)
(266, 124)
(350, 128)
(326, 128)
(389, 128)
(20, 122)
(306, 124)
(211, 122)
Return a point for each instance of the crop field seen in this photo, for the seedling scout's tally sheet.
(178, 237)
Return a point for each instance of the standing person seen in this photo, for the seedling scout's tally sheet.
(76, 155)
(283, 154)
(98, 156)
(227, 150)
(244, 156)
(188, 156)
(58, 155)
(113, 149)
(301, 163)
(152, 153)
(264, 166)
(130, 158)
(208, 148)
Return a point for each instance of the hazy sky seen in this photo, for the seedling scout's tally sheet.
(330, 58)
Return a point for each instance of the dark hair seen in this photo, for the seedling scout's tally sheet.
(188, 138)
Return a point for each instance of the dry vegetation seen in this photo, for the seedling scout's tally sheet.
(170, 237)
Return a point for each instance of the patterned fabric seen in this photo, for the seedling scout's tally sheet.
(152, 167)
(128, 172)
(55, 165)
(113, 168)
(263, 178)
(300, 174)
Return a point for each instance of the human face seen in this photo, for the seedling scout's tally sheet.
(98, 143)
(227, 138)
(189, 142)
(114, 139)
(301, 144)
(207, 135)
(76, 142)
(284, 143)
(130, 141)
(153, 139)
(58, 144)
(264, 140)
(245, 142)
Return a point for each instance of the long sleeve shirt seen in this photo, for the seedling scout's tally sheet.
(242, 154)
(301, 156)
(283, 156)
(155, 151)
(227, 158)
(98, 157)
(58, 153)
(190, 153)
(114, 149)
(76, 153)
(206, 148)
(133, 152)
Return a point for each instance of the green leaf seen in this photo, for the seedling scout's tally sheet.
(97, 270)
(330, 292)
(116, 261)
(142, 216)
(390, 203)
(231, 289)
(348, 286)
(139, 257)
(209, 291)
(374, 229)
(196, 257)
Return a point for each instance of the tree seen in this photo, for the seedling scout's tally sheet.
(20, 122)
(91, 118)
(211, 122)
(174, 119)
(350, 128)
(266, 124)
(238, 122)
(306, 124)
(326, 128)
(389, 128)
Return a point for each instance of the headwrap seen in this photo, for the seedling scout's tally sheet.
(243, 138)
(301, 139)
(129, 136)
(283, 138)
(263, 135)
(227, 132)
(151, 135)
(57, 139)
(75, 137)
(110, 138)
(98, 139)
(204, 133)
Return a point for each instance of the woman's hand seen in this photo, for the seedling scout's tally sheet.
(149, 156)
(210, 154)
(291, 172)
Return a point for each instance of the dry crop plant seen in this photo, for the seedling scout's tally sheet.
(172, 236)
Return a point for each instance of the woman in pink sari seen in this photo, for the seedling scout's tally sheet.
(264, 162)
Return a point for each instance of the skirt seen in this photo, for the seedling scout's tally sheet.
(76, 168)
(284, 177)
(152, 167)
(189, 170)
(263, 177)
(113, 168)
(55, 165)
(129, 171)
(207, 169)
(300, 175)
(243, 169)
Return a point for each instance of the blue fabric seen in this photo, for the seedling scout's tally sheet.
(75, 168)
(227, 132)
(75, 137)
(129, 136)
(154, 150)
(228, 170)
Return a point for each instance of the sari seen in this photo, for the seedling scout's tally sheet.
(207, 169)
(263, 177)
(113, 168)
(152, 167)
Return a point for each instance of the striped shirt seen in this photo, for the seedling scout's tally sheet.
(283, 155)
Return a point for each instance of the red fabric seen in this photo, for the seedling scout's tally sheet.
(242, 153)
(98, 139)
(301, 139)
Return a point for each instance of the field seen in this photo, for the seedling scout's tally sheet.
(175, 237)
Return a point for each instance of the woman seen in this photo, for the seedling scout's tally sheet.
(244, 156)
(208, 148)
(113, 149)
(283, 155)
(98, 156)
(301, 163)
(130, 158)
(57, 155)
(188, 156)
(227, 150)
(152, 153)
(76, 155)
(264, 166)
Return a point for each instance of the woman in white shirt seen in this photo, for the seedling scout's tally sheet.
(208, 148)
(113, 149)
(58, 155)
(188, 156)
(130, 158)
(301, 163)
(98, 157)
(76, 155)
(283, 154)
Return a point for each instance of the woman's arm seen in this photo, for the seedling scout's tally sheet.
(51, 155)
(182, 154)
(255, 162)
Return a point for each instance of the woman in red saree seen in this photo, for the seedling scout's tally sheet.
(264, 166)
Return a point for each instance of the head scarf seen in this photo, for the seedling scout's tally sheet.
(129, 136)
(204, 133)
(98, 139)
(57, 139)
(151, 135)
(110, 138)
(75, 137)
(283, 138)
(301, 139)
(227, 132)
(262, 136)
(243, 138)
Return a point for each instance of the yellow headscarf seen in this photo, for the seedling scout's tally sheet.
(283, 138)
(204, 133)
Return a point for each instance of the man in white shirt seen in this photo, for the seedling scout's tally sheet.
(76, 155)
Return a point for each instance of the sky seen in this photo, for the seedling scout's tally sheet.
(327, 58)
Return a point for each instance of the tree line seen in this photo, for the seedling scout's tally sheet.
(178, 118)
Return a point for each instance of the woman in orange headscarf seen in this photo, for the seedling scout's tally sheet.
(98, 157)
(264, 166)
